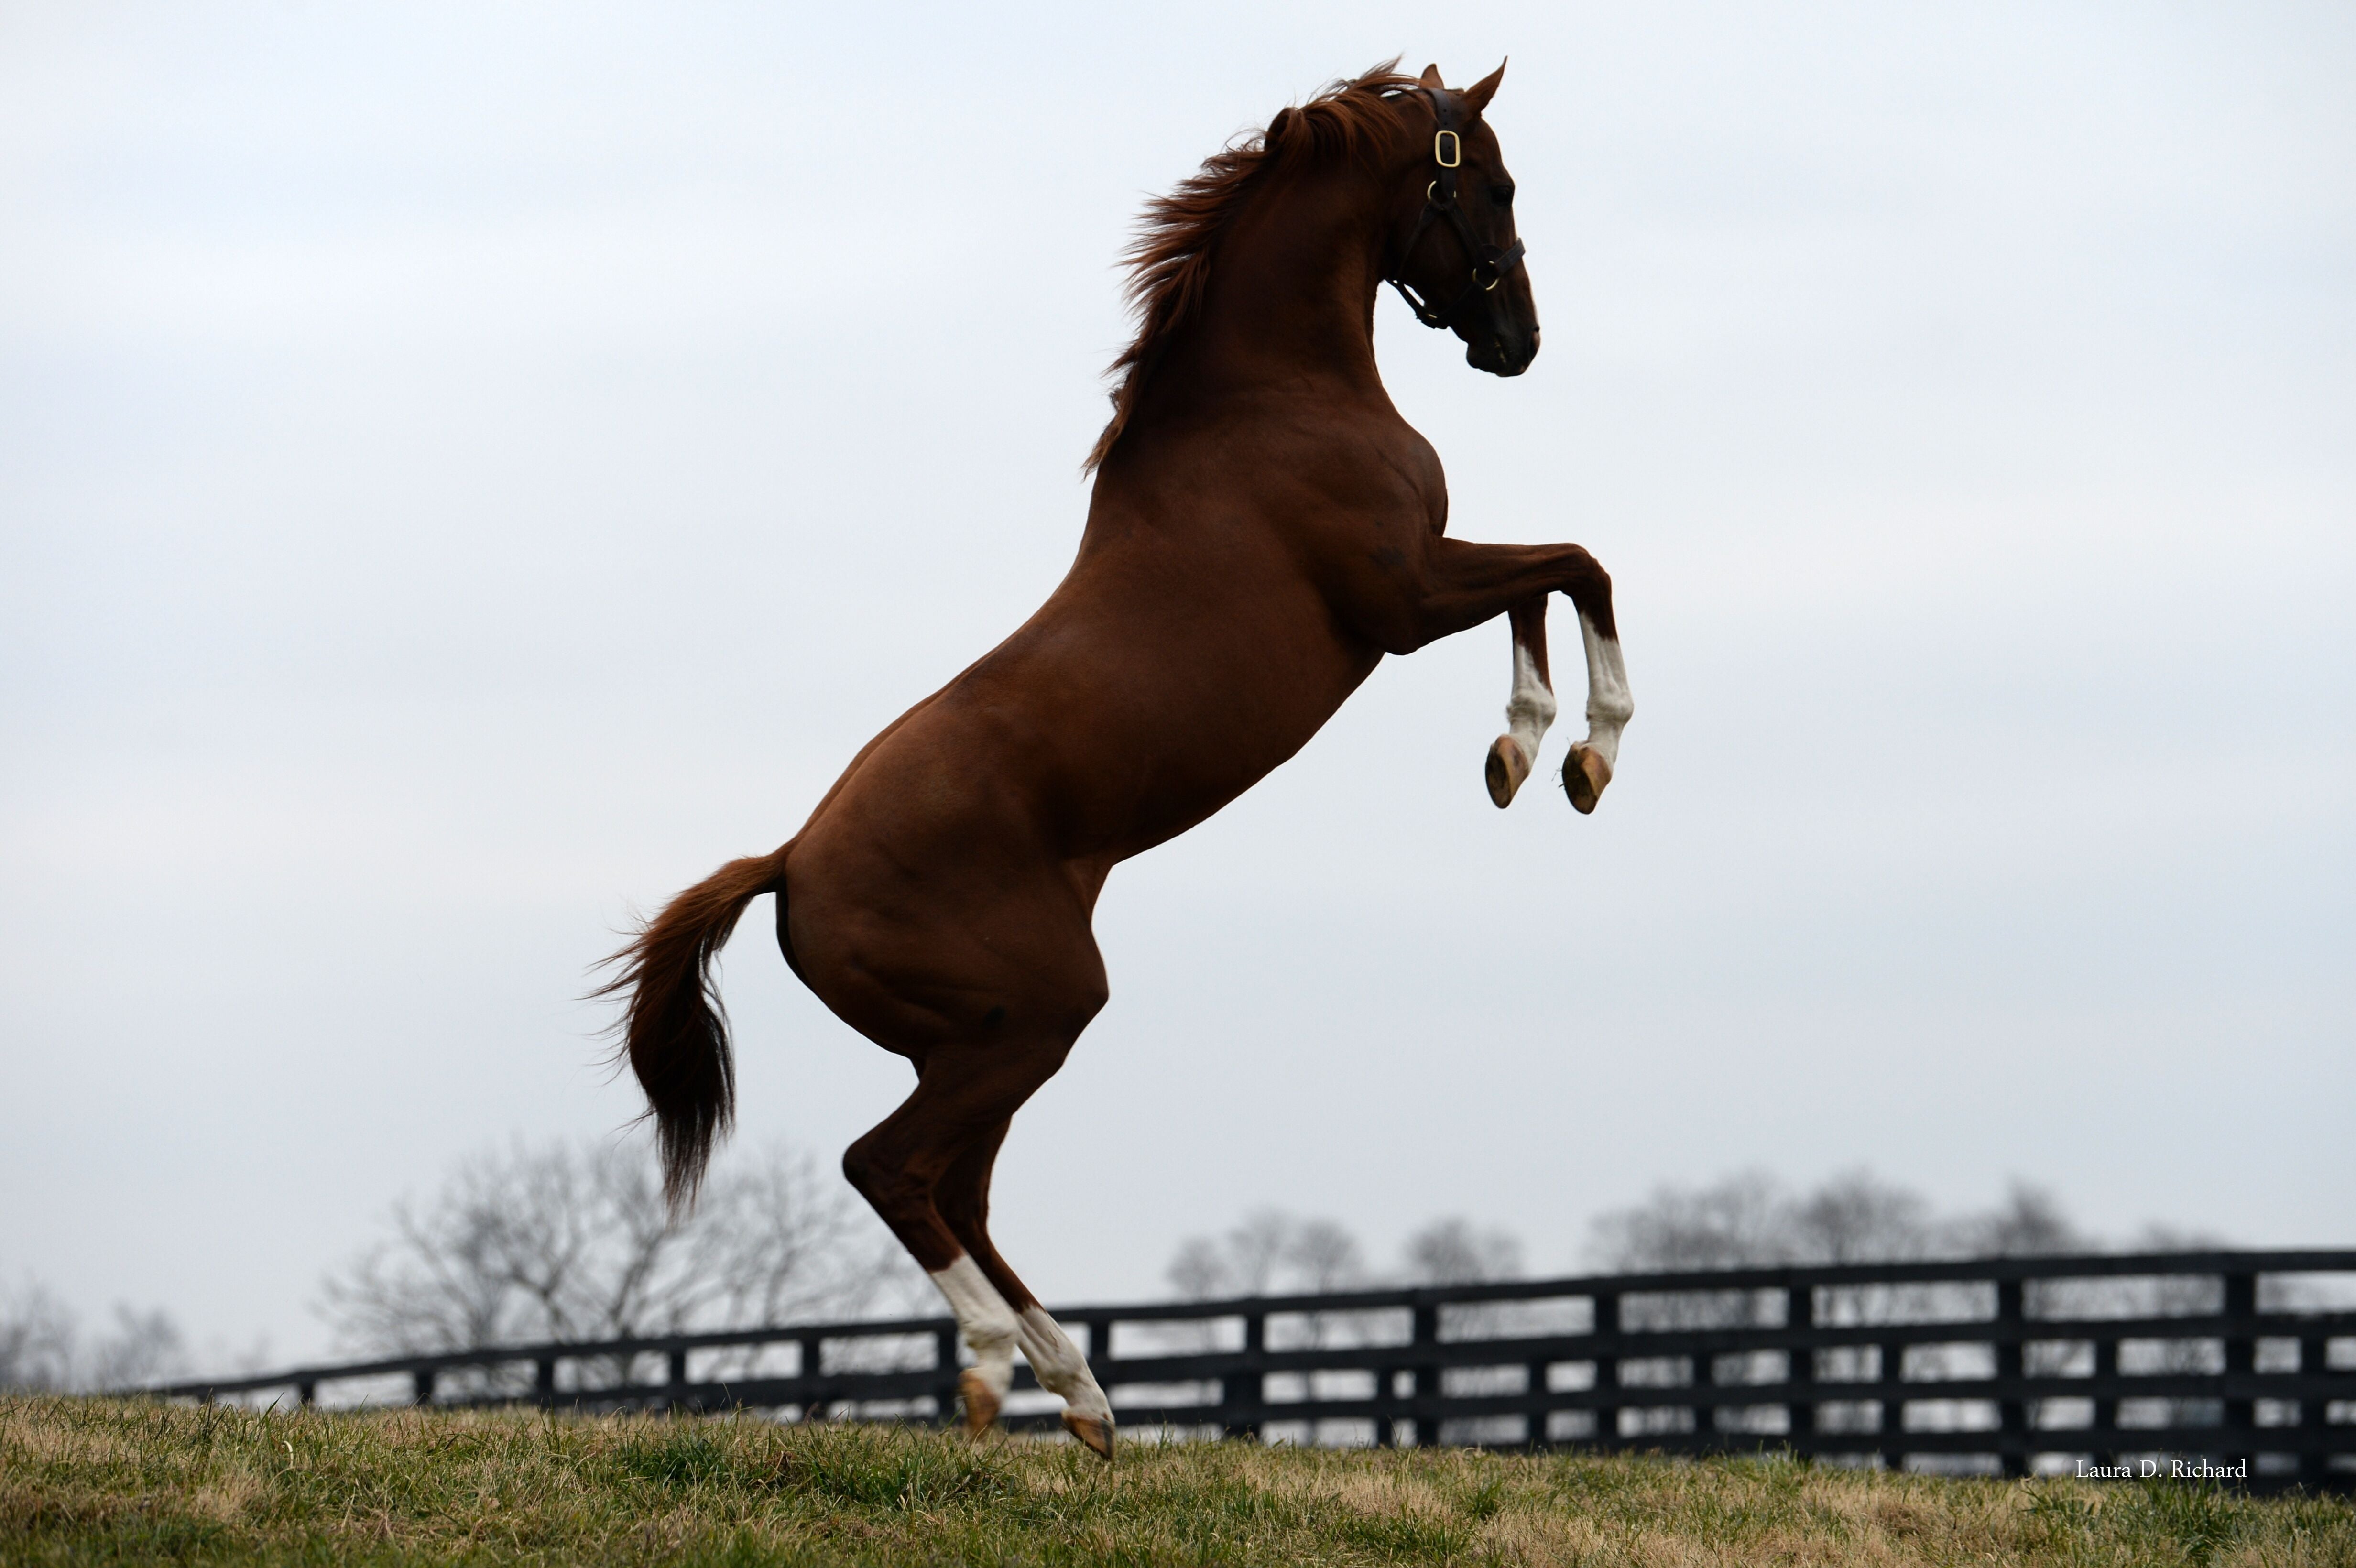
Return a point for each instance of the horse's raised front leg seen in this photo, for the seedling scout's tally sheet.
(1609, 709)
(1464, 584)
(1528, 711)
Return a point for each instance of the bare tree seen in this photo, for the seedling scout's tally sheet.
(1273, 1252)
(2028, 1223)
(571, 1244)
(1453, 1251)
(1269, 1252)
(36, 1341)
(1740, 1221)
(145, 1348)
(1856, 1218)
(1324, 1257)
(41, 1345)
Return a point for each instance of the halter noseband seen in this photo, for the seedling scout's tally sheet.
(1491, 265)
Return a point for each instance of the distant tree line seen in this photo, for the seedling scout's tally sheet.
(1745, 1219)
(1751, 1219)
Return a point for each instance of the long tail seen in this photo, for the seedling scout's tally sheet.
(674, 1030)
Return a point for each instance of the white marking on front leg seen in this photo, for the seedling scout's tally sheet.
(1061, 1367)
(1609, 705)
(989, 1324)
(1530, 711)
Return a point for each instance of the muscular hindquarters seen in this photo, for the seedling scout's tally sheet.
(923, 919)
(974, 962)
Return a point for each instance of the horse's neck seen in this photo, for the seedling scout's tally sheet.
(1291, 295)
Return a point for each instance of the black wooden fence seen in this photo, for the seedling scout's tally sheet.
(2174, 1363)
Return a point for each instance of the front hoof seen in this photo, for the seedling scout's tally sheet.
(1093, 1430)
(1583, 778)
(1504, 770)
(980, 1402)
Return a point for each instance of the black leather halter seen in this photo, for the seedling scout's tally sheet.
(1491, 265)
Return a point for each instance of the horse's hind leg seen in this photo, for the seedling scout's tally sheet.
(899, 1165)
(982, 973)
(966, 1088)
(1528, 711)
(963, 1198)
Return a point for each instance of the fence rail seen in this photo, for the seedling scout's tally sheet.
(2244, 1362)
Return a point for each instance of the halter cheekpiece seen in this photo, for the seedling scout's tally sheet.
(1490, 264)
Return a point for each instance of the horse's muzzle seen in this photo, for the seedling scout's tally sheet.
(1504, 354)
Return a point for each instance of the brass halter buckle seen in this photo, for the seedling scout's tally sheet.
(1447, 149)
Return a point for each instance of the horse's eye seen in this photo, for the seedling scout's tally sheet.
(1502, 194)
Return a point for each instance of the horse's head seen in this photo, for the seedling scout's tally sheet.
(1453, 254)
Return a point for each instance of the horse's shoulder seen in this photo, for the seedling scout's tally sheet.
(1364, 456)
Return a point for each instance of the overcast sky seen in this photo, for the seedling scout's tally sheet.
(465, 471)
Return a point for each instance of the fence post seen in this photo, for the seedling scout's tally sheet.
(2314, 1361)
(1242, 1393)
(1892, 1400)
(2106, 1428)
(674, 1379)
(1800, 1371)
(945, 1370)
(2241, 1361)
(807, 1349)
(2011, 1413)
(1607, 1367)
(421, 1386)
(1426, 1372)
(1388, 1406)
(1541, 1412)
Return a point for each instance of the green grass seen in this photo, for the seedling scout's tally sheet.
(95, 1481)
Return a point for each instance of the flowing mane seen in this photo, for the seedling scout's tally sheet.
(1170, 260)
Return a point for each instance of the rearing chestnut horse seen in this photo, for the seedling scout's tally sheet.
(1265, 527)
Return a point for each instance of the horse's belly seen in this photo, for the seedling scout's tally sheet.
(1094, 762)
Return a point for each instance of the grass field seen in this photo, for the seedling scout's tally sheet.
(91, 1481)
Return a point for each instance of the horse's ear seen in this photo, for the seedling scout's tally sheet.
(1277, 130)
(1431, 78)
(1477, 96)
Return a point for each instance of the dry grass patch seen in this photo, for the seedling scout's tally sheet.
(92, 1481)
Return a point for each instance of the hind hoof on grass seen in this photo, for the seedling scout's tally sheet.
(1583, 778)
(1093, 1431)
(1506, 769)
(980, 1402)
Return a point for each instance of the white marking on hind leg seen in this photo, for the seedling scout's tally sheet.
(1609, 705)
(1061, 1367)
(989, 1324)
